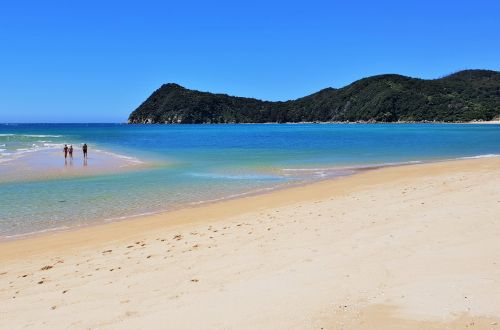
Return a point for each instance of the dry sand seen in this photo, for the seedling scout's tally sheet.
(411, 247)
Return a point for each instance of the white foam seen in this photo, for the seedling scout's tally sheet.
(53, 145)
(132, 216)
(481, 156)
(235, 177)
(128, 158)
(48, 145)
(233, 196)
(32, 135)
(40, 135)
(55, 229)
(354, 167)
(20, 146)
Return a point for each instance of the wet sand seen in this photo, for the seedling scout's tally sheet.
(50, 163)
(412, 247)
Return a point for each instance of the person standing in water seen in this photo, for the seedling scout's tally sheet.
(65, 151)
(84, 148)
(70, 150)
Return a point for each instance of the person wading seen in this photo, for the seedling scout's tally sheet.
(84, 148)
(65, 151)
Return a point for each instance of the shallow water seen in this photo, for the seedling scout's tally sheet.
(194, 163)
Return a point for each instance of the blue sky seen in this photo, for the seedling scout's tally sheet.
(96, 61)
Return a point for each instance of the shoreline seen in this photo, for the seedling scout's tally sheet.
(347, 171)
(190, 205)
(291, 187)
(342, 172)
(413, 246)
(302, 122)
(487, 122)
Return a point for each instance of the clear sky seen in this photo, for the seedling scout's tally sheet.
(96, 61)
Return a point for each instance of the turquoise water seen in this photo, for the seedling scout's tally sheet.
(196, 163)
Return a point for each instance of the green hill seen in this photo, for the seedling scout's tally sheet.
(463, 96)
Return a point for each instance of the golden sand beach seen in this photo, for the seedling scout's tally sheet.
(409, 247)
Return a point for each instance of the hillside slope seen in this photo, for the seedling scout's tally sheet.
(463, 96)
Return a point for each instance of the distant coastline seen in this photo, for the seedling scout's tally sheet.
(479, 122)
(470, 95)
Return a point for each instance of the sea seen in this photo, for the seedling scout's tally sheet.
(186, 165)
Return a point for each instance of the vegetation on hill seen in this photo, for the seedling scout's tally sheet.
(463, 96)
